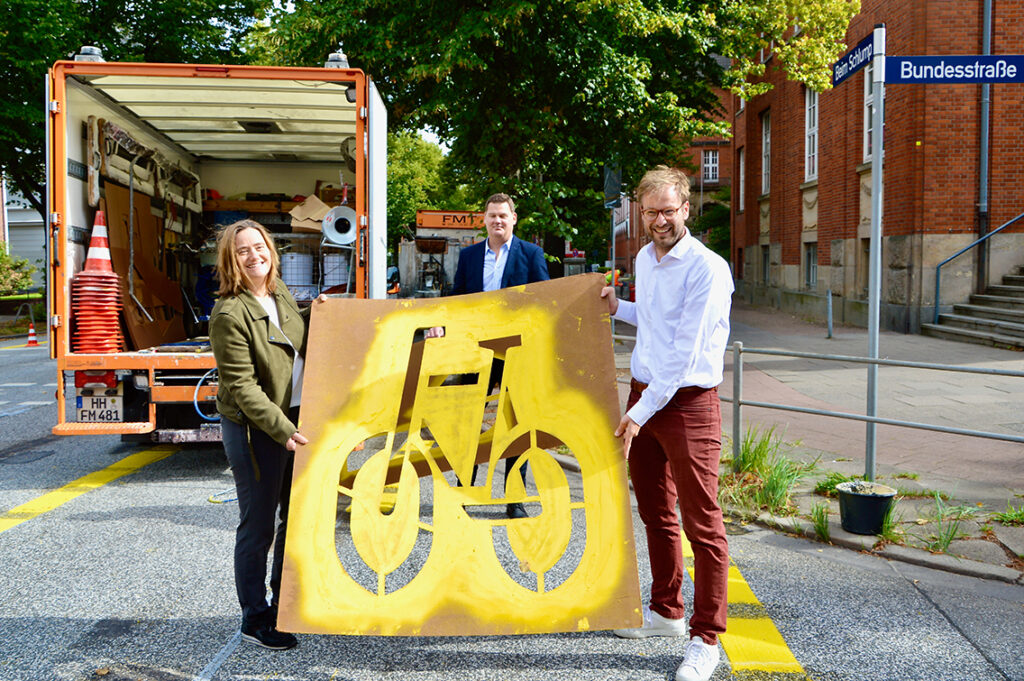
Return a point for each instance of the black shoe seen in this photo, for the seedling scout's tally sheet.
(269, 637)
(516, 511)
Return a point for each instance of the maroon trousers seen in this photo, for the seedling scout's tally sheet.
(674, 458)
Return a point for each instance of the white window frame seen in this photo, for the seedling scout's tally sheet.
(811, 135)
(709, 165)
(742, 179)
(766, 151)
(811, 265)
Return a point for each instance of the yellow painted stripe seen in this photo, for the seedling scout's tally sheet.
(756, 645)
(62, 495)
(752, 644)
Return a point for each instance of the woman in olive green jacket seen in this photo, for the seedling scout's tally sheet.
(258, 336)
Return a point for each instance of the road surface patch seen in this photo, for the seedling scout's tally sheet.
(86, 483)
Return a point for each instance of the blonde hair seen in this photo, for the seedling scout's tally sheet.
(232, 279)
(661, 177)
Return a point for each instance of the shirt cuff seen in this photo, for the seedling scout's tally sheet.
(626, 312)
(640, 412)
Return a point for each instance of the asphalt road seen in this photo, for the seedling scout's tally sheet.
(133, 580)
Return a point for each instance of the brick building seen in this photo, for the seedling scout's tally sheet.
(801, 203)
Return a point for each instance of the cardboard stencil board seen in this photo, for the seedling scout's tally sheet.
(390, 534)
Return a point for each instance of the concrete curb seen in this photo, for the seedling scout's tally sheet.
(858, 542)
(867, 543)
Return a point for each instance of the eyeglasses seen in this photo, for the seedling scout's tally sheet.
(652, 215)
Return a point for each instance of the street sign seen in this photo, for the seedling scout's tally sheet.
(854, 60)
(955, 69)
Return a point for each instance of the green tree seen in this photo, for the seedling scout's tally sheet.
(36, 33)
(534, 97)
(414, 178)
(15, 272)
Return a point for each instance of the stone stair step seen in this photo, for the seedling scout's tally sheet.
(1004, 290)
(969, 336)
(1014, 279)
(980, 324)
(1007, 302)
(1001, 314)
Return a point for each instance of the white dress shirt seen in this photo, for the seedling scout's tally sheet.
(494, 265)
(681, 316)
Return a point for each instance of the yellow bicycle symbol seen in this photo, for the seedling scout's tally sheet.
(385, 489)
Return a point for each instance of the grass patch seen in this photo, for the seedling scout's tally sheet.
(921, 493)
(948, 519)
(819, 519)
(892, 529)
(1012, 516)
(906, 476)
(761, 476)
(827, 487)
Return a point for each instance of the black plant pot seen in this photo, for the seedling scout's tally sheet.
(863, 505)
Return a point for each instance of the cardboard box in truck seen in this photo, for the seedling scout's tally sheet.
(168, 153)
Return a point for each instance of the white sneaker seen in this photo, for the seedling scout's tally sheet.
(654, 625)
(699, 661)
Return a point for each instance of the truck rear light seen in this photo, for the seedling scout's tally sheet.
(95, 379)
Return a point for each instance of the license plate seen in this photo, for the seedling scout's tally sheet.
(99, 407)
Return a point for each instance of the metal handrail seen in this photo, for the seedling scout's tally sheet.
(938, 273)
(869, 473)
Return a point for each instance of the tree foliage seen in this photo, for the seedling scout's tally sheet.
(534, 97)
(417, 180)
(15, 272)
(36, 33)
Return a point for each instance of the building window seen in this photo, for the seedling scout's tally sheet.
(766, 152)
(710, 165)
(742, 184)
(811, 135)
(811, 265)
(765, 265)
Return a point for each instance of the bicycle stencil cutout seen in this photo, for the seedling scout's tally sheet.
(390, 534)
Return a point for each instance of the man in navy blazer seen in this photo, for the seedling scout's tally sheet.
(500, 260)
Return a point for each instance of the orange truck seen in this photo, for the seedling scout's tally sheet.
(168, 153)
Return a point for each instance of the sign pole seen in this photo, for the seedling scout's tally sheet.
(875, 271)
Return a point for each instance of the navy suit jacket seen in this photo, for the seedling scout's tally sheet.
(525, 265)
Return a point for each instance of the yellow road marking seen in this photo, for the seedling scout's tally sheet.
(12, 347)
(753, 644)
(62, 495)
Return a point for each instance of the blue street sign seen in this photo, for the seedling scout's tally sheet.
(854, 60)
(955, 69)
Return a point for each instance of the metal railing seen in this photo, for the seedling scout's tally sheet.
(738, 402)
(938, 268)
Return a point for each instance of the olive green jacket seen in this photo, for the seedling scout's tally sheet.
(254, 361)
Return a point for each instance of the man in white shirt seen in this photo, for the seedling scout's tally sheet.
(672, 429)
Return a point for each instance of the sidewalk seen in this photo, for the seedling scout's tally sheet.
(981, 475)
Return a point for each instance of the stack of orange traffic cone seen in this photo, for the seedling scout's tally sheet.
(96, 298)
(32, 342)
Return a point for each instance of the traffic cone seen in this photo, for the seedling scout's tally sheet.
(32, 342)
(96, 298)
(98, 257)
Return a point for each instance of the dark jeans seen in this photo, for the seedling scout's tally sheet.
(262, 469)
(674, 460)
